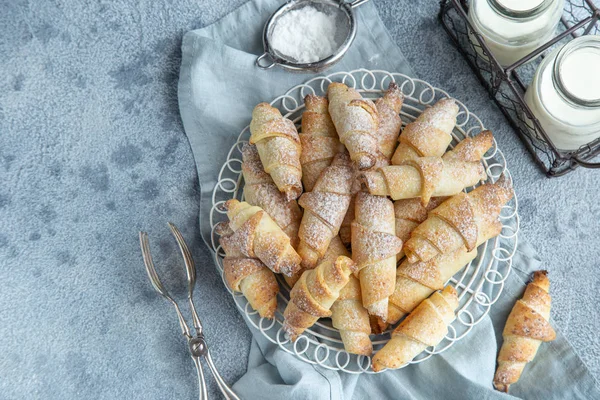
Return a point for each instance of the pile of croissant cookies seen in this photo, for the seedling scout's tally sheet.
(366, 224)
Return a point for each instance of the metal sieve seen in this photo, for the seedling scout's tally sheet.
(345, 32)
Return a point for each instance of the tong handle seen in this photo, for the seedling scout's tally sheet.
(356, 3)
(226, 390)
(199, 349)
(202, 392)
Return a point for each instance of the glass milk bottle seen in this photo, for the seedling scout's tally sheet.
(565, 93)
(514, 28)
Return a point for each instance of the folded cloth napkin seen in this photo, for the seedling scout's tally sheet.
(219, 86)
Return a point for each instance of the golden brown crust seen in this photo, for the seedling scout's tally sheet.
(313, 295)
(375, 246)
(336, 248)
(423, 178)
(430, 170)
(458, 213)
(356, 121)
(458, 221)
(527, 322)
(388, 108)
(352, 320)
(278, 144)
(236, 269)
(345, 228)
(471, 149)
(427, 325)
(260, 237)
(378, 326)
(319, 140)
(526, 328)
(429, 134)
(410, 212)
(249, 275)
(324, 210)
(261, 191)
(416, 281)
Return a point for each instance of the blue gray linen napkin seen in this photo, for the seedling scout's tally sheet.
(219, 86)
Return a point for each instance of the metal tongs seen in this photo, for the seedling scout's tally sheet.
(197, 343)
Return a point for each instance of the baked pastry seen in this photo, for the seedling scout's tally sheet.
(415, 282)
(336, 248)
(249, 276)
(388, 108)
(352, 320)
(426, 326)
(528, 325)
(261, 191)
(262, 238)
(319, 140)
(471, 148)
(313, 295)
(346, 227)
(378, 326)
(324, 210)
(428, 135)
(410, 212)
(366, 293)
(423, 177)
(456, 221)
(278, 144)
(356, 121)
(374, 249)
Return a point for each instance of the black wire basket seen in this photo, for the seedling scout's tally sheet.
(507, 85)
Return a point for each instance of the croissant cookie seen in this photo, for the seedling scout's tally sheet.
(423, 177)
(352, 320)
(410, 212)
(388, 108)
(526, 328)
(348, 314)
(324, 210)
(261, 191)
(278, 144)
(346, 227)
(356, 121)
(313, 295)
(426, 326)
(374, 249)
(319, 140)
(428, 135)
(260, 237)
(249, 276)
(416, 281)
(472, 148)
(336, 248)
(456, 222)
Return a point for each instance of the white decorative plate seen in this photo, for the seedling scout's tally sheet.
(479, 284)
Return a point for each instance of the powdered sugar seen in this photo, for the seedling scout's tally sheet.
(305, 35)
(356, 120)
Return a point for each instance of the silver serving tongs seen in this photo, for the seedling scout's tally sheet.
(197, 343)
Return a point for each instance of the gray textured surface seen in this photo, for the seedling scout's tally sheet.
(92, 150)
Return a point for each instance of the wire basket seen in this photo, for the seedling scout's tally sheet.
(507, 85)
(479, 284)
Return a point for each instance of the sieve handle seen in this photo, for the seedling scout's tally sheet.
(357, 3)
(265, 61)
